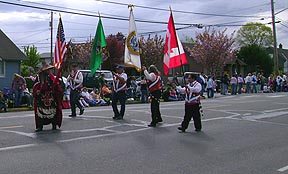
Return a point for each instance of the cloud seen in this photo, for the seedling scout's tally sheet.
(82, 28)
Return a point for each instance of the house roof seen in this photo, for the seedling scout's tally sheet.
(8, 50)
(46, 55)
(236, 61)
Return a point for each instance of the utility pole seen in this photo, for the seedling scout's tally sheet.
(51, 45)
(275, 55)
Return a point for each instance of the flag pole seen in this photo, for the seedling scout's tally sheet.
(182, 68)
(101, 47)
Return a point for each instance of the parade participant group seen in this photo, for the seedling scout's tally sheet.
(48, 95)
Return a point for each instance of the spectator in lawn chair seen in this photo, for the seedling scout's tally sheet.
(18, 86)
(106, 93)
(95, 95)
(3, 103)
(27, 97)
(48, 97)
(87, 99)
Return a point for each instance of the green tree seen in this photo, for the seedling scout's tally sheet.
(30, 66)
(256, 58)
(255, 34)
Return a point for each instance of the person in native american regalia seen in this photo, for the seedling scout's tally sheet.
(48, 94)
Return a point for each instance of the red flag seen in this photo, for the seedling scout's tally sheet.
(60, 46)
(172, 57)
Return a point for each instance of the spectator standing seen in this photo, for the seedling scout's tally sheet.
(203, 82)
(240, 83)
(233, 83)
(210, 87)
(144, 90)
(248, 81)
(225, 83)
(254, 82)
(18, 86)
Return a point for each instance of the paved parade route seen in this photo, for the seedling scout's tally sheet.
(241, 134)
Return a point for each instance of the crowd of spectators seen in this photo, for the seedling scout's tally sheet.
(19, 95)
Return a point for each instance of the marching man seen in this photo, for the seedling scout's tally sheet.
(192, 103)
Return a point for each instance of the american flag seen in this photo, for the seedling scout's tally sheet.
(60, 46)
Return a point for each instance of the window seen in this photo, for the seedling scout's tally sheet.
(2, 68)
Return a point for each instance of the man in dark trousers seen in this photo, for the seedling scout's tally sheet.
(75, 80)
(192, 103)
(119, 92)
(154, 85)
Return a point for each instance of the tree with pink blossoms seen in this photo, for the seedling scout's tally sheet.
(213, 49)
(151, 50)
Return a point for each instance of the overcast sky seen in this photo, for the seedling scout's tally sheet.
(28, 26)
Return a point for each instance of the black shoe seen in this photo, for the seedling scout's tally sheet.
(115, 117)
(72, 115)
(159, 120)
(152, 125)
(39, 129)
(198, 130)
(181, 129)
(54, 127)
(81, 111)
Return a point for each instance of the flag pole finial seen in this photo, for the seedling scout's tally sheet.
(99, 14)
(131, 6)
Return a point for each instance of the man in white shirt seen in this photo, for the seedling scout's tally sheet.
(75, 80)
(192, 104)
(119, 92)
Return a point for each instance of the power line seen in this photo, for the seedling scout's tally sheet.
(90, 15)
(180, 11)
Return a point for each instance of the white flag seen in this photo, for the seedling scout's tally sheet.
(132, 51)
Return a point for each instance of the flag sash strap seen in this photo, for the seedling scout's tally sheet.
(116, 89)
(155, 82)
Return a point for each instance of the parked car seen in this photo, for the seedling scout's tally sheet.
(91, 80)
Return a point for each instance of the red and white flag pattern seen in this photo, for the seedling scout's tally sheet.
(172, 57)
(60, 46)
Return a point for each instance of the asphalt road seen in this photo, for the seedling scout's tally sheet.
(243, 134)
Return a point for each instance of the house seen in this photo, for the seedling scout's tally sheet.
(282, 57)
(45, 57)
(10, 60)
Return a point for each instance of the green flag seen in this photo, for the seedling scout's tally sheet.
(98, 43)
